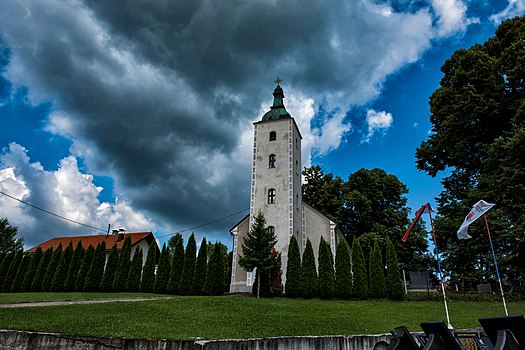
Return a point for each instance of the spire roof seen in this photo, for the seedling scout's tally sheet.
(277, 111)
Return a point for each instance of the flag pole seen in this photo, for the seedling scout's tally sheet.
(439, 269)
(496, 264)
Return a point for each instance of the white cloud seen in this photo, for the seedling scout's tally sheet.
(451, 16)
(378, 122)
(514, 8)
(66, 192)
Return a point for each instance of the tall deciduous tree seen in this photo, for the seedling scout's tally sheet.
(326, 271)
(478, 133)
(163, 272)
(258, 251)
(135, 272)
(124, 261)
(74, 267)
(188, 269)
(201, 265)
(343, 272)
(177, 262)
(293, 270)
(36, 285)
(360, 280)
(309, 280)
(148, 272)
(394, 285)
(8, 240)
(376, 273)
(106, 285)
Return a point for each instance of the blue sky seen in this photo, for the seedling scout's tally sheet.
(140, 115)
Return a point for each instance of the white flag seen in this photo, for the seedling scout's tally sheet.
(478, 209)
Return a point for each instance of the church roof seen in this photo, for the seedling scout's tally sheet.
(277, 110)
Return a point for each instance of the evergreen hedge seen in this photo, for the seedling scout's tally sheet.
(57, 285)
(177, 263)
(214, 283)
(31, 270)
(16, 286)
(148, 273)
(201, 265)
(96, 269)
(376, 273)
(163, 272)
(36, 285)
(359, 281)
(343, 271)
(51, 269)
(4, 266)
(135, 272)
(11, 272)
(309, 281)
(74, 267)
(293, 270)
(84, 268)
(106, 285)
(124, 262)
(393, 274)
(188, 268)
(326, 271)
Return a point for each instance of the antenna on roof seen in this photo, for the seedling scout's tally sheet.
(109, 227)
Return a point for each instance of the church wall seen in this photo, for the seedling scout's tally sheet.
(315, 225)
(239, 280)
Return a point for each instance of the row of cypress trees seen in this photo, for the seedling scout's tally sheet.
(347, 277)
(87, 270)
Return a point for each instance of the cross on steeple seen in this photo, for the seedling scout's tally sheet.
(278, 81)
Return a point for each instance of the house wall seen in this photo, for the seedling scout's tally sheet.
(144, 245)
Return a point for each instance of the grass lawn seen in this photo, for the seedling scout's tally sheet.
(242, 317)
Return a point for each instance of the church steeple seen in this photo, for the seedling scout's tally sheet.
(277, 111)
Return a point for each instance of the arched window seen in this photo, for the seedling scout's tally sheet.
(271, 196)
(272, 160)
(273, 136)
(271, 230)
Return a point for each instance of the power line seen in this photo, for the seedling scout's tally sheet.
(51, 213)
(205, 224)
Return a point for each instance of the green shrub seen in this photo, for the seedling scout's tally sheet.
(343, 271)
(177, 262)
(163, 272)
(4, 266)
(51, 269)
(106, 285)
(309, 281)
(148, 272)
(326, 271)
(394, 283)
(124, 262)
(188, 268)
(16, 286)
(74, 267)
(96, 269)
(36, 285)
(293, 270)
(31, 270)
(214, 284)
(376, 273)
(201, 265)
(61, 272)
(84, 268)
(359, 281)
(135, 272)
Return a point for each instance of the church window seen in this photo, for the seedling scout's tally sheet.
(271, 196)
(273, 136)
(271, 230)
(272, 160)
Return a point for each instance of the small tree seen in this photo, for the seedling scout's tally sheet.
(148, 273)
(11, 272)
(293, 270)
(394, 284)
(163, 272)
(106, 285)
(36, 285)
(57, 285)
(343, 272)
(376, 273)
(188, 269)
(258, 249)
(16, 286)
(96, 269)
(276, 277)
(135, 272)
(8, 240)
(360, 281)
(124, 261)
(4, 266)
(309, 280)
(51, 269)
(84, 268)
(74, 267)
(326, 271)
(31, 270)
(177, 262)
(201, 265)
(214, 284)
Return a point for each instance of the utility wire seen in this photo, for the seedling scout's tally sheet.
(205, 224)
(50, 213)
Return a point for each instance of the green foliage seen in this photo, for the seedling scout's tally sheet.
(276, 277)
(57, 285)
(4, 266)
(11, 271)
(214, 284)
(394, 284)
(51, 269)
(228, 260)
(188, 269)
(258, 248)
(177, 262)
(106, 285)
(124, 261)
(326, 271)
(309, 281)
(148, 272)
(199, 277)
(376, 273)
(84, 268)
(8, 240)
(36, 285)
(31, 270)
(478, 133)
(359, 281)
(135, 272)
(293, 270)
(343, 271)
(16, 286)
(74, 267)
(163, 272)
(96, 269)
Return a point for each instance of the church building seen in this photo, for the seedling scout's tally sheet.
(276, 192)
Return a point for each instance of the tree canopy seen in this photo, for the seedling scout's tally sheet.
(8, 240)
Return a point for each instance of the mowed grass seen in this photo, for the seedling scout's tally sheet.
(243, 317)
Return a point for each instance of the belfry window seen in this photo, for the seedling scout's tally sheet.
(272, 160)
(273, 136)
(271, 196)
(271, 230)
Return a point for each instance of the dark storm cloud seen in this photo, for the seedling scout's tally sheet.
(157, 94)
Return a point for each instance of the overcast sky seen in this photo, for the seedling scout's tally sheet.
(140, 114)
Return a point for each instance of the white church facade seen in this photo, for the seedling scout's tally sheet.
(276, 192)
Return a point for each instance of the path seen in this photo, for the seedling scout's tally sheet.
(72, 302)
